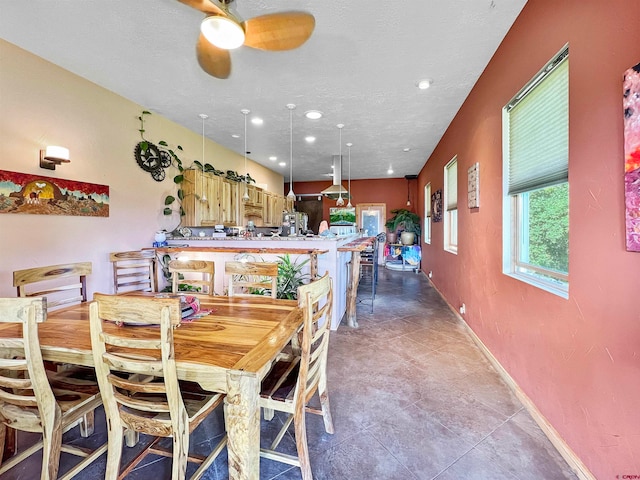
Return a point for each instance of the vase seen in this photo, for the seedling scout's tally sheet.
(391, 238)
(407, 238)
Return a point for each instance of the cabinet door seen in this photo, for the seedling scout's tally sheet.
(229, 202)
(201, 201)
(210, 211)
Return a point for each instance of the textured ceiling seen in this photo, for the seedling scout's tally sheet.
(360, 68)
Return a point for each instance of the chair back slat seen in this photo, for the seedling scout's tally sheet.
(52, 282)
(134, 271)
(248, 277)
(187, 269)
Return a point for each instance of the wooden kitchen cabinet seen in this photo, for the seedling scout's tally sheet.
(199, 211)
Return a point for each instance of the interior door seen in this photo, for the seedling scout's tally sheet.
(371, 217)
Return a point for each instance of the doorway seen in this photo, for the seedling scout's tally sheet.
(371, 218)
(313, 208)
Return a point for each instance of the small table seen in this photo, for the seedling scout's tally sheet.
(409, 255)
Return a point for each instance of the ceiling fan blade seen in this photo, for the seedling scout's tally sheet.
(278, 31)
(205, 6)
(213, 60)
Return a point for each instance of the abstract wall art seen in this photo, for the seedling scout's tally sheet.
(631, 105)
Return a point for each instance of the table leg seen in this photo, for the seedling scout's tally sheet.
(352, 289)
(242, 419)
(313, 266)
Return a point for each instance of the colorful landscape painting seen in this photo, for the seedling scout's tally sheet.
(631, 105)
(342, 216)
(35, 194)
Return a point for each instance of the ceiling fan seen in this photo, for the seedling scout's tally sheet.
(223, 30)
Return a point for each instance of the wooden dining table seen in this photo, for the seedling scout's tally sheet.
(229, 350)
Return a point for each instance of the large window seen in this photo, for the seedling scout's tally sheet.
(427, 213)
(536, 186)
(451, 206)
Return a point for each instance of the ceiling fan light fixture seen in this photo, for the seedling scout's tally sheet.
(222, 32)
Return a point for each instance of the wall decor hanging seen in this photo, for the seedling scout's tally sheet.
(35, 194)
(152, 158)
(631, 105)
(473, 186)
(436, 206)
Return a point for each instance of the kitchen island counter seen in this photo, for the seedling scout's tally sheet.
(322, 251)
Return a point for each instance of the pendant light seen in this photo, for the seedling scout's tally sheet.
(203, 198)
(349, 184)
(340, 201)
(291, 196)
(245, 197)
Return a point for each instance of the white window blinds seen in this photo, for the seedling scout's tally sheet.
(539, 130)
(452, 185)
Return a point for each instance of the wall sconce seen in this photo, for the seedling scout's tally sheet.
(53, 156)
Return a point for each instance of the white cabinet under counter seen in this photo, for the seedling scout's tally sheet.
(322, 251)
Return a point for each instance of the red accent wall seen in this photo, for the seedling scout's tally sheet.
(577, 359)
(392, 191)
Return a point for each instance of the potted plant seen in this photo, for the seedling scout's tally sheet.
(407, 222)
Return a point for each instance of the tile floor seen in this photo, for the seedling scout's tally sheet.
(412, 397)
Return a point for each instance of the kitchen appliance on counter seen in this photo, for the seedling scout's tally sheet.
(294, 223)
(218, 232)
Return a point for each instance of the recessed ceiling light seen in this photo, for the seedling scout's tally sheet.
(257, 121)
(310, 139)
(313, 114)
(282, 164)
(235, 135)
(390, 171)
(424, 84)
(406, 149)
(273, 158)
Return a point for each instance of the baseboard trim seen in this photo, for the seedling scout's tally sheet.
(574, 462)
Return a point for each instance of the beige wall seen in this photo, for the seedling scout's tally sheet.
(576, 358)
(42, 104)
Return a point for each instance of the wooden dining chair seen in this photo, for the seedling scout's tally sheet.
(61, 284)
(27, 400)
(292, 382)
(252, 278)
(182, 273)
(134, 271)
(148, 398)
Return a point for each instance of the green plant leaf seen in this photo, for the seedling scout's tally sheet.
(163, 143)
(180, 148)
(181, 211)
(169, 199)
(181, 194)
(198, 164)
(167, 211)
(146, 112)
(178, 179)
(144, 146)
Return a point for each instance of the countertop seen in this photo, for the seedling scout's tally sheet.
(314, 238)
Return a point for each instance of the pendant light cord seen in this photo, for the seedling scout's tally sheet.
(349, 188)
(203, 198)
(340, 201)
(245, 197)
(291, 195)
